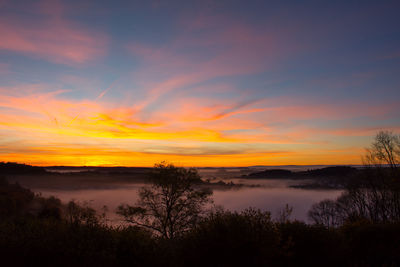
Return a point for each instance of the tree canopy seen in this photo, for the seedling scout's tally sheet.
(171, 205)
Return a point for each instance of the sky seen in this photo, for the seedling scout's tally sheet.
(196, 83)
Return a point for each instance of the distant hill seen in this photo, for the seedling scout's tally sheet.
(335, 177)
(7, 168)
(274, 173)
(334, 171)
(331, 171)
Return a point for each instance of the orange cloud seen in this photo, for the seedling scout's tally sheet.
(90, 119)
(49, 129)
(91, 156)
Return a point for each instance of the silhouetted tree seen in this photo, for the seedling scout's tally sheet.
(82, 213)
(325, 212)
(374, 195)
(284, 214)
(171, 205)
(384, 150)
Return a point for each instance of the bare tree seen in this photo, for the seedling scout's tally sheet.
(171, 205)
(375, 195)
(325, 212)
(384, 150)
(82, 213)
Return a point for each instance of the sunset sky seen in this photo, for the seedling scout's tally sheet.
(196, 83)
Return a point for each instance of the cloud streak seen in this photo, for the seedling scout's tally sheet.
(228, 129)
(51, 37)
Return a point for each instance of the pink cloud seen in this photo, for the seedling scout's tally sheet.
(51, 37)
(270, 110)
(236, 50)
(206, 50)
(56, 43)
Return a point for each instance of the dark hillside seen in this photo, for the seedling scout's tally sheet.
(7, 168)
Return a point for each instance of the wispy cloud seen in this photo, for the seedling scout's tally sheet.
(50, 36)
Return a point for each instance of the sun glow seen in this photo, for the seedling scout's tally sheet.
(49, 130)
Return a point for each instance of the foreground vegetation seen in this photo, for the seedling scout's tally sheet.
(221, 239)
(43, 231)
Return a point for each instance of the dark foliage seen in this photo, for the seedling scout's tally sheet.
(222, 238)
(232, 239)
(310, 245)
(46, 242)
(14, 200)
(368, 244)
(7, 168)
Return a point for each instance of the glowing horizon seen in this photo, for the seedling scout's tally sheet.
(196, 84)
